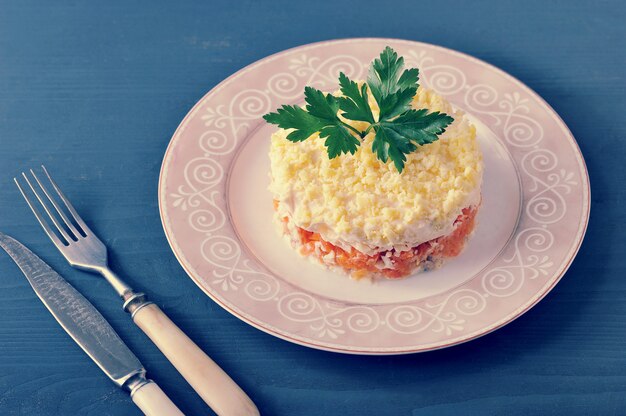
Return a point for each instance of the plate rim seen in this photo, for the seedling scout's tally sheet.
(571, 254)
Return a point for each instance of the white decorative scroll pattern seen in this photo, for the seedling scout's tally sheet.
(524, 260)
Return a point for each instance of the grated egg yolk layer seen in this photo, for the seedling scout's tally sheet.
(359, 201)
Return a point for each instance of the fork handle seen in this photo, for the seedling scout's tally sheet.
(215, 387)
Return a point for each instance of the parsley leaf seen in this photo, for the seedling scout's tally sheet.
(420, 126)
(325, 107)
(400, 136)
(389, 144)
(320, 105)
(354, 103)
(392, 90)
(320, 117)
(294, 117)
(339, 140)
(399, 129)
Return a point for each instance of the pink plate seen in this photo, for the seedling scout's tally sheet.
(217, 212)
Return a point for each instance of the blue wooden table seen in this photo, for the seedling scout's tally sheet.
(95, 93)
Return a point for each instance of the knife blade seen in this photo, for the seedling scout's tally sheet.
(87, 327)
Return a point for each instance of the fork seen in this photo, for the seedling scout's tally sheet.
(85, 251)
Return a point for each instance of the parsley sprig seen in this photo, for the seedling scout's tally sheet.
(399, 129)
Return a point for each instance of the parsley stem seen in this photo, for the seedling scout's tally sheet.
(353, 129)
(371, 126)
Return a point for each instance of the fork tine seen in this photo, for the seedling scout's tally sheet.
(68, 205)
(59, 227)
(55, 239)
(66, 220)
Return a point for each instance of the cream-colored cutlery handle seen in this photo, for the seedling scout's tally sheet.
(153, 402)
(215, 387)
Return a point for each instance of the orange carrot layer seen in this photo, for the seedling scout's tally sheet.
(404, 262)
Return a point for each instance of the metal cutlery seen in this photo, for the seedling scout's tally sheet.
(84, 250)
(90, 330)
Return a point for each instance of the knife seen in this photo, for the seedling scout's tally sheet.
(90, 331)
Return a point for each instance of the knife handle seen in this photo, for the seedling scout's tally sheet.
(153, 402)
(215, 387)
